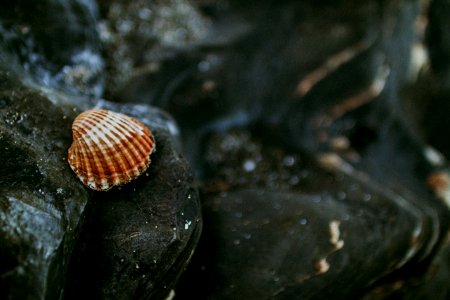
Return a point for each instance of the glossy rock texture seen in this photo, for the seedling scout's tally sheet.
(139, 37)
(36, 34)
(41, 204)
(292, 225)
(109, 148)
(367, 214)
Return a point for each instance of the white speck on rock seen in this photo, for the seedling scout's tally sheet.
(303, 221)
(289, 161)
(187, 224)
(249, 165)
(171, 295)
(335, 234)
(434, 157)
(321, 266)
(173, 128)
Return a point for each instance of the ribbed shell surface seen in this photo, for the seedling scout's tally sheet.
(109, 148)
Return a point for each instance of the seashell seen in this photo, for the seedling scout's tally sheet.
(109, 148)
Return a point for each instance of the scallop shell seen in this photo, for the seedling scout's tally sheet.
(109, 148)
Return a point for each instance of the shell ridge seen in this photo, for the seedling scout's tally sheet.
(118, 136)
(117, 163)
(82, 168)
(130, 155)
(149, 144)
(144, 137)
(131, 126)
(73, 154)
(138, 148)
(94, 131)
(105, 167)
(144, 148)
(114, 157)
(86, 161)
(115, 132)
(123, 142)
(95, 165)
(104, 162)
(114, 118)
(94, 152)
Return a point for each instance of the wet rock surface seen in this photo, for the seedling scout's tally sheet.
(293, 224)
(420, 284)
(344, 113)
(55, 42)
(41, 203)
(291, 245)
(306, 124)
(141, 38)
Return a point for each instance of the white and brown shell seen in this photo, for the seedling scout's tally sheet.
(109, 148)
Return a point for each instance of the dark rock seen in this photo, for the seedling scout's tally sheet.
(438, 41)
(344, 111)
(41, 203)
(427, 98)
(143, 42)
(278, 225)
(172, 54)
(277, 245)
(56, 42)
(379, 142)
(429, 282)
